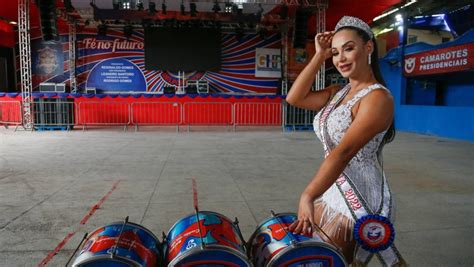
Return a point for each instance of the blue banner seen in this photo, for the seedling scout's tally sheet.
(116, 74)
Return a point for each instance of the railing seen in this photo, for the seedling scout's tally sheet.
(207, 113)
(257, 114)
(64, 112)
(297, 118)
(10, 113)
(53, 113)
(103, 114)
(156, 114)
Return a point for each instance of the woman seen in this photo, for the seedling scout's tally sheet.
(354, 123)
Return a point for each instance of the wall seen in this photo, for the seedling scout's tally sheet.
(454, 119)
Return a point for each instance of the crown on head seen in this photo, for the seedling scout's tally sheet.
(348, 21)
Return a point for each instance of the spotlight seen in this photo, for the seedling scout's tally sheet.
(127, 31)
(228, 7)
(152, 7)
(163, 8)
(283, 12)
(102, 29)
(183, 8)
(192, 9)
(216, 8)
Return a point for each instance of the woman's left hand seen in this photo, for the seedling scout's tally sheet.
(304, 223)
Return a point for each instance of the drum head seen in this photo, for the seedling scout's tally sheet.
(216, 256)
(308, 253)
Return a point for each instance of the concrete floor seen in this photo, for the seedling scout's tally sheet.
(50, 180)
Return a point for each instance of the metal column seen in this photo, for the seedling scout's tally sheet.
(321, 27)
(25, 63)
(72, 57)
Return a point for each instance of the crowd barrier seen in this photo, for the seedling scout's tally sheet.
(64, 112)
(10, 113)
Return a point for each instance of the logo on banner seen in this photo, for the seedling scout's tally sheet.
(410, 64)
(48, 59)
(268, 63)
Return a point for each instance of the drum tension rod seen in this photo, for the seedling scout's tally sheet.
(114, 249)
(236, 223)
(77, 248)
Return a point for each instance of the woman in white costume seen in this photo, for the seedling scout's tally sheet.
(354, 122)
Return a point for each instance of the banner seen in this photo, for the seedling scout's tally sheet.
(268, 63)
(47, 58)
(444, 60)
(116, 74)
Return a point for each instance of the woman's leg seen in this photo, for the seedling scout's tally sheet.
(337, 227)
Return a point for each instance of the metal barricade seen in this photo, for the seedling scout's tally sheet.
(257, 114)
(207, 113)
(104, 114)
(297, 118)
(53, 114)
(10, 113)
(156, 114)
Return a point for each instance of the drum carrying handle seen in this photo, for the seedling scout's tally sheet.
(203, 245)
(75, 251)
(114, 249)
(236, 223)
(291, 235)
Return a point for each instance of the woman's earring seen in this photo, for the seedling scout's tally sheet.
(370, 60)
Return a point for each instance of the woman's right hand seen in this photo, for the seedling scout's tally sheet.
(322, 42)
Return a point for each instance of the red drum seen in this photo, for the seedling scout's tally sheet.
(120, 244)
(221, 243)
(273, 245)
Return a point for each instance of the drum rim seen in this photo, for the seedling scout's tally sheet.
(198, 249)
(192, 214)
(307, 244)
(132, 224)
(105, 256)
(249, 243)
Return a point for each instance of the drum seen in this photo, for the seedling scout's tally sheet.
(273, 245)
(120, 244)
(215, 241)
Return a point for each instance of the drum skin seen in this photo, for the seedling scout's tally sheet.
(272, 245)
(222, 246)
(137, 247)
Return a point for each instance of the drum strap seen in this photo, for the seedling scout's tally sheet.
(354, 200)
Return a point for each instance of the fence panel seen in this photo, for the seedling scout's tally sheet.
(103, 113)
(297, 118)
(207, 113)
(53, 113)
(10, 112)
(151, 113)
(258, 114)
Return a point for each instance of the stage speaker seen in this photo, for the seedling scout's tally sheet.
(47, 10)
(300, 34)
(169, 90)
(191, 89)
(3, 75)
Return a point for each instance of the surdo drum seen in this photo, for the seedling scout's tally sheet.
(205, 239)
(273, 245)
(120, 244)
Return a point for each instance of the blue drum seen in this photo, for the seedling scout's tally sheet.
(213, 240)
(120, 244)
(273, 245)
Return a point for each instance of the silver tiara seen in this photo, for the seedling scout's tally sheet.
(348, 21)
